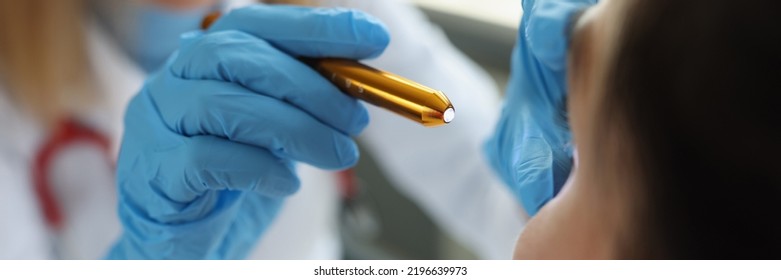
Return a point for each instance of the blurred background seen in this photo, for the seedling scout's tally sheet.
(376, 225)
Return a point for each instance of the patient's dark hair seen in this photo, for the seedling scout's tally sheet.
(696, 84)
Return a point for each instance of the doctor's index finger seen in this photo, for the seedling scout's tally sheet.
(237, 57)
(547, 24)
(233, 112)
(310, 32)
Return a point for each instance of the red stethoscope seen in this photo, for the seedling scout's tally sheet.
(66, 134)
(71, 132)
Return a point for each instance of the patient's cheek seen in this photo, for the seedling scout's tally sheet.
(567, 227)
(535, 240)
(518, 252)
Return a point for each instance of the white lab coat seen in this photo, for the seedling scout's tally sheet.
(441, 169)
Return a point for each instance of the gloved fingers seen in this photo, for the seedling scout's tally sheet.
(525, 155)
(256, 214)
(189, 166)
(310, 32)
(237, 57)
(213, 163)
(547, 29)
(526, 167)
(233, 112)
(529, 5)
(533, 174)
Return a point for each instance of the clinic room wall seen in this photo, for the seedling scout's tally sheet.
(384, 224)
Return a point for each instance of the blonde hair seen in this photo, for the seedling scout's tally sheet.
(43, 59)
(44, 65)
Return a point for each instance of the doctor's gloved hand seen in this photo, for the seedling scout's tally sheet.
(211, 140)
(530, 148)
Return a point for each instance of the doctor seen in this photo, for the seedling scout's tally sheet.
(209, 158)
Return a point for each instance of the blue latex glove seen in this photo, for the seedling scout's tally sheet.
(531, 147)
(211, 140)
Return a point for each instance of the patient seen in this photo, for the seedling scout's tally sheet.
(676, 114)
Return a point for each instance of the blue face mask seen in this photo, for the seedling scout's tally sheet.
(146, 32)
